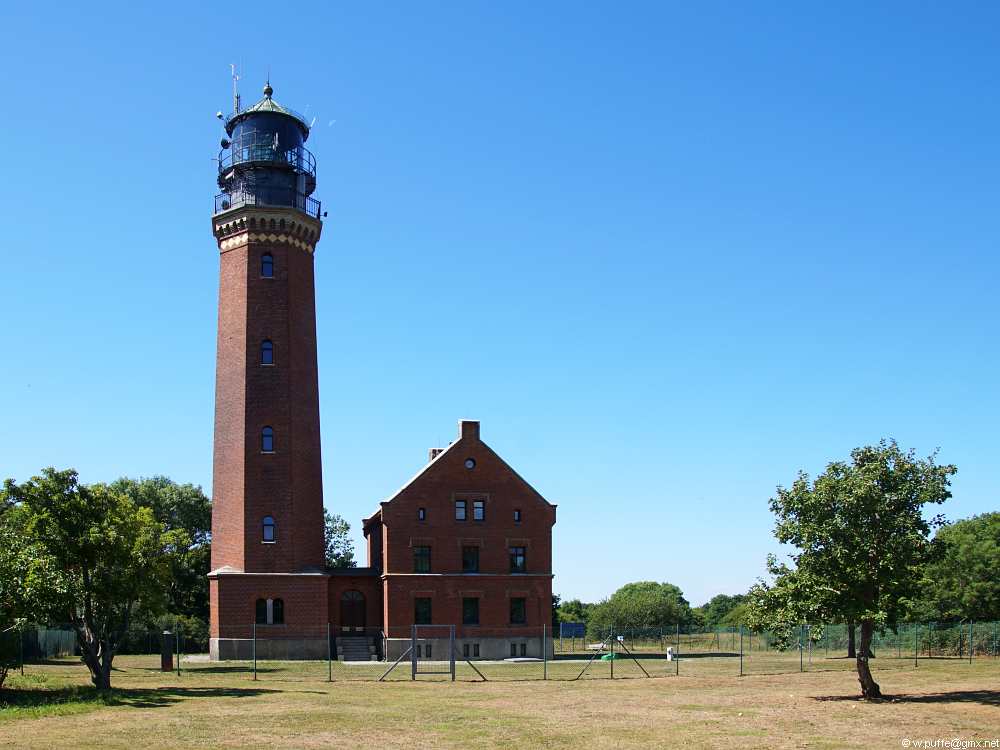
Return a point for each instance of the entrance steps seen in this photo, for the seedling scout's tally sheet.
(357, 648)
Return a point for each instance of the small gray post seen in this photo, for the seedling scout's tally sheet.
(413, 652)
(167, 652)
(545, 653)
(329, 655)
(451, 650)
(255, 651)
(677, 654)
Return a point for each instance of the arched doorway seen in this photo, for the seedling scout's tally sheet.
(352, 612)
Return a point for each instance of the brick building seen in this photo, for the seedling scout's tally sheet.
(466, 542)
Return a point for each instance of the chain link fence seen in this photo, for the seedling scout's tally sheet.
(441, 652)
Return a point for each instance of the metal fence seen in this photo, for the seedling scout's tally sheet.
(434, 652)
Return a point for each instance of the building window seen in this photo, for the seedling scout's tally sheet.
(477, 510)
(475, 650)
(267, 440)
(421, 559)
(427, 651)
(524, 649)
(469, 463)
(260, 611)
(517, 516)
(267, 353)
(517, 611)
(267, 267)
(460, 510)
(268, 529)
(422, 515)
(465, 650)
(422, 612)
(418, 650)
(517, 560)
(513, 650)
(470, 559)
(278, 612)
(470, 613)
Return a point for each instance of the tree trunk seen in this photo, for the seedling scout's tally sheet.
(851, 652)
(869, 688)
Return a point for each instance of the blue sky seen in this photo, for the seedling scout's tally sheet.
(669, 253)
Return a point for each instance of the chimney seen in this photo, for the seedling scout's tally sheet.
(468, 428)
(433, 453)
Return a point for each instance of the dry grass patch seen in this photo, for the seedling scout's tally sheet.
(813, 709)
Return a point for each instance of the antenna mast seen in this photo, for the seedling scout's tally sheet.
(236, 96)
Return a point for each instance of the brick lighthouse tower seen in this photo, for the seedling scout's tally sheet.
(267, 508)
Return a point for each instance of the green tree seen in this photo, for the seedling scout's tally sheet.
(719, 608)
(862, 540)
(963, 583)
(179, 507)
(574, 611)
(644, 604)
(112, 552)
(31, 583)
(339, 547)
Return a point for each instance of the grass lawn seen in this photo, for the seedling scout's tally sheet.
(816, 709)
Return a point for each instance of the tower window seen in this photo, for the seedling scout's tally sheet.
(267, 440)
(516, 613)
(268, 529)
(260, 611)
(421, 559)
(267, 353)
(422, 611)
(422, 515)
(470, 614)
(267, 267)
(517, 560)
(470, 560)
(278, 612)
(460, 510)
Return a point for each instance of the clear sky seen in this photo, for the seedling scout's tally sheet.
(669, 253)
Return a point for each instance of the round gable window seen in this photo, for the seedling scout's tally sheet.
(469, 463)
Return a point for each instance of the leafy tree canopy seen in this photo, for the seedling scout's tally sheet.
(862, 541)
(179, 507)
(963, 583)
(574, 611)
(642, 604)
(719, 608)
(112, 553)
(339, 547)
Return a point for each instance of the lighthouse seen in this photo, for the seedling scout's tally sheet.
(267, 507)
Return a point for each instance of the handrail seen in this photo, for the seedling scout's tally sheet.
(243, 110)
(260, 195)
(259, 147)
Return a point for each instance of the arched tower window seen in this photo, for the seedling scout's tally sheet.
(267, 266)
(268, 529)
(267, 353)
(278, 612)
(267, 440)
(261, 612)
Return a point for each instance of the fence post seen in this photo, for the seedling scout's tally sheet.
(741, 649)
(177, 637)
(413, 652)
(329, 654)
(545, 655)
(916, 645)
(970, 641)
(677, 654)
(800, 647)
(255, 651)
(612, 659)
(20, 645)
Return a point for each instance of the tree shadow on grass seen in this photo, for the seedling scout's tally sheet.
(134, 698)
(982, 697)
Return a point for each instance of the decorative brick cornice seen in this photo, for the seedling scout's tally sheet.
(246, 224)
